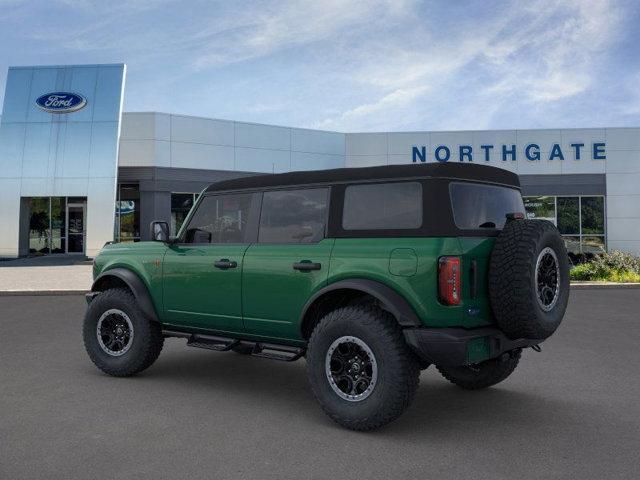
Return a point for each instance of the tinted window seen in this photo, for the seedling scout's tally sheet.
(382, 205)
(293, 216)
(220, 219)
(568, 215)
(477, 206)
(592, 215)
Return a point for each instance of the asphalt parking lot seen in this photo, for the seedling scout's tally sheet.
(572, 411)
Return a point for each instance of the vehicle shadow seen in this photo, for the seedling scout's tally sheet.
(439, 408)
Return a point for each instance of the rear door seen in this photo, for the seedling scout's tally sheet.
(289, 261)
(202, 272)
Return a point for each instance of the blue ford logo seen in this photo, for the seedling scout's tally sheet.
(61, 102)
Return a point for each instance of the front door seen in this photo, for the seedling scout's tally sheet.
(76, 220)
(202, 271)
(289, 262)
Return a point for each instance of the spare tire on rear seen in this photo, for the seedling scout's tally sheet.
(529, 279)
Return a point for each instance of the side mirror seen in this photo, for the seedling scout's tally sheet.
(159, 231)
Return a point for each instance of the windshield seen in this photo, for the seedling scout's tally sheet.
(478, 206)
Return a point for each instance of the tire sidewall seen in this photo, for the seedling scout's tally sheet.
(115, 299)
(316, 358)
(549, 321)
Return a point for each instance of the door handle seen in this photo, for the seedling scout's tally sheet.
(225, 264)
(306, 265)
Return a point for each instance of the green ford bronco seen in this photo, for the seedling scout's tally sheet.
(371, 274)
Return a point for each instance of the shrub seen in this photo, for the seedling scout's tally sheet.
(614, 266)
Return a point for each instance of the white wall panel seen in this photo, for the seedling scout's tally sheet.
(366, 144)
(623, 206)
(9, 217)
(262, 136)
(138, 153)
(139, 126)
(198, 155)
(623, 183)
(400, 143)
(623, 161)
(623, 229)
(623, 138)
(261, 160)
(586, 165)
(313, 141)
(201, 130)
(631, 246)
(315, 161)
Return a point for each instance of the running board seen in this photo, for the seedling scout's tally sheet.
(220, 344)
(274, 351)
(277, 352)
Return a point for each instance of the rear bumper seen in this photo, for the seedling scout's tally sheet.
(458, 346)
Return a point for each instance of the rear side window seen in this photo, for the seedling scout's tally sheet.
(477, 206)
(220, 219)
(293, 216)
(392, 206)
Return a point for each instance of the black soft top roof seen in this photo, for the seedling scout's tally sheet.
(461, 171)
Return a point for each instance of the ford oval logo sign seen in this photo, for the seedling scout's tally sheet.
(61, 102)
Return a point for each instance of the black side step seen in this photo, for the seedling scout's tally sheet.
(273, 351)
(285, 353)
(212, 342)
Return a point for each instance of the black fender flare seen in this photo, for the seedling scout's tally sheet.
(389, 299)
(135, 284)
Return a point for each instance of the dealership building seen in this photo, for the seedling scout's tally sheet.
(76, 171)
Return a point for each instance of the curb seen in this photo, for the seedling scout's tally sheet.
(39, 293)
(602, 285)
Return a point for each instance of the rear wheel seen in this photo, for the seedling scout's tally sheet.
(360, 370)
(118, 337)
(482, 375)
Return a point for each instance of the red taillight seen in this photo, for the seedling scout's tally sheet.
(449, 280)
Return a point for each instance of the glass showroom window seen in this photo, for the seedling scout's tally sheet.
(181, 203)
(39, 225)
(127, 226)
(580, 219)
(47, 225)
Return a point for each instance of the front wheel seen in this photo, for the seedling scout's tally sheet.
(118, 337)
(360, 369)
(482, 375)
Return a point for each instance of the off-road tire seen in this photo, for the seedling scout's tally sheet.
(482, 375)
(147, 338)
(513, 290)
(398, 369)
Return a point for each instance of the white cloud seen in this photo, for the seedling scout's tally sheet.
(349, 64)
(542, 52)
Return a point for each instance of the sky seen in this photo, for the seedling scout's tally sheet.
(351, 66)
